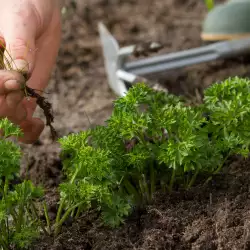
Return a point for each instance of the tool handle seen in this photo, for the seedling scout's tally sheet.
(220, 50)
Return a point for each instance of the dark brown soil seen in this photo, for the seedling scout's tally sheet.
(215, 217)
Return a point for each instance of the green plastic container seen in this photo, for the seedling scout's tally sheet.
(227, 21)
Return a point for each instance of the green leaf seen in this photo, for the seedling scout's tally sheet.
(10, 157)
(114, 212)
(9, 129)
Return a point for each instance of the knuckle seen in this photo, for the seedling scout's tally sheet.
(19, 45)
(2, 104)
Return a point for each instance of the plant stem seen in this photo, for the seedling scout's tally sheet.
(6, 188)
(218, 169)
(72, 213)
(131, 190)
(78, 212)
(37, 216)
(142, 189)
(1, 192)
(8, 229)
(222, 164)
(20, 217)
(14, 215)
(163, 186)
(152, 180)
(190, 184)
(3, 244)
(65, 216)
(145, 187)
(59, 212)
(4, 230)
(46, 214)
(171, 181)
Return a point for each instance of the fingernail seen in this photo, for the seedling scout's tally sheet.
(12, 85)
(21, 65)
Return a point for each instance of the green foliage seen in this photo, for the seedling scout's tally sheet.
(19, 222)
(10, 153)
(25, 237)
(228, 105)
(152, 140)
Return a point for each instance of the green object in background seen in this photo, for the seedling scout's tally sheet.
(209, 4)
(227, 21)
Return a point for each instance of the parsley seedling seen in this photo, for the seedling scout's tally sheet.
(153, 141)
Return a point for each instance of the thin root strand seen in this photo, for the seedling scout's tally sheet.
(46, 107)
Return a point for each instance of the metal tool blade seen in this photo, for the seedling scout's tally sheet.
(120, 71)
(111, 53)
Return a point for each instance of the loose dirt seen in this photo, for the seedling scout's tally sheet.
(214, 217)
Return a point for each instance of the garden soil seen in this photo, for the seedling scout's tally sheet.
(205, 218)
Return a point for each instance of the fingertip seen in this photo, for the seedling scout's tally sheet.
(12, 85)
(11, 81)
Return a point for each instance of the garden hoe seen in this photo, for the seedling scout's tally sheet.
(123, 73)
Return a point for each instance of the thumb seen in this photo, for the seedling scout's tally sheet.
(19, 56)
(19, 36)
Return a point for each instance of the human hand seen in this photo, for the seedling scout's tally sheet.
(30, 31)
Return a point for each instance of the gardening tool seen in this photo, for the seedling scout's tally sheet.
(122, 73)
(227, 21)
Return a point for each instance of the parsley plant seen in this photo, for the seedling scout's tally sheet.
(152, 141)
